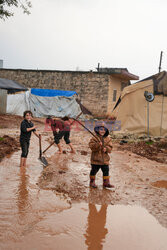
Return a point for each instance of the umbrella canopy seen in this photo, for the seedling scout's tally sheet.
(11, 85)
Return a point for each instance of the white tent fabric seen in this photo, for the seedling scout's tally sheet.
(18, 103)
(42, 106)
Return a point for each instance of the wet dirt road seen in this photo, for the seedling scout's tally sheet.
(54, 208)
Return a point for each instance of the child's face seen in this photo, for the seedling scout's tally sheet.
(28, 117)
(102, 131)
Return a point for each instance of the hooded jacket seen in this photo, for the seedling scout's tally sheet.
(99, 157)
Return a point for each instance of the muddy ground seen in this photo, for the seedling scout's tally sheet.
(10, 144)
(138, 169)
(150, 149)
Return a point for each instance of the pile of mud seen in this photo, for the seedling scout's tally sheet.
(10, 121)
(8, 145)
(14, 121)
(156, 151)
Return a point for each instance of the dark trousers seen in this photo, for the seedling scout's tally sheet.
(58, 136)
(25, 148)
(95, 169)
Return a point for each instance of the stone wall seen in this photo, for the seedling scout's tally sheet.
(92, 87)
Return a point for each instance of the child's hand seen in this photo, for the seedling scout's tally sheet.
(104, 149)
(100, 143)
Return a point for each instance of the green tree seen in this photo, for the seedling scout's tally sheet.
(5, 6)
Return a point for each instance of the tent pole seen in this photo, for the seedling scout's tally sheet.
(162, 114)
(148, 119)
(160, 61)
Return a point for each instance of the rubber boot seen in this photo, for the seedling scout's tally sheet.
(92, 181)
(106, 182)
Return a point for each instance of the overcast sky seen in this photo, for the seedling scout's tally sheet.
(79, 34)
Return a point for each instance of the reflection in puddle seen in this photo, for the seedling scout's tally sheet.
(22, 192)
(160, 184)
(41, 220)
(123, 227)
(96, 231)
(95, 227)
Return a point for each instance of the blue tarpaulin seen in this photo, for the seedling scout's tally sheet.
(52, 92)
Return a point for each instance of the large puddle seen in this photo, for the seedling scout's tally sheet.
(37, 219)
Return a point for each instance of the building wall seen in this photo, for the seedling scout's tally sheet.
(92, 87)
(114, 84)
(3, 101)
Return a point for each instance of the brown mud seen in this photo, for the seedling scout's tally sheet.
(156, 151)
(8, 145)
(54, 207)
(133, 176)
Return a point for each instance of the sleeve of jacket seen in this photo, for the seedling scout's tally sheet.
(94, 145)
(32, 125)
(109, 146)
(23, 127)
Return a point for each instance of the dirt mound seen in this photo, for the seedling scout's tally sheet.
(7, 120)
(156, 151)
(8, 145)
(15, 120)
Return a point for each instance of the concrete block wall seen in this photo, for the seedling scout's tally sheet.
(92, 87)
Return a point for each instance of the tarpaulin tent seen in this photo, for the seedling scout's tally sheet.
(44, 102)
(132, 108)
(11, 86)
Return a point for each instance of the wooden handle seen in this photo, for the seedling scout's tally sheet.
(48, 147)
(53, 141)
(40, 147)
(102, 152)
(86, 128)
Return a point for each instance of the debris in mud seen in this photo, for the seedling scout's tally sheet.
(83, 152)
(8, 145)
(122, 142)
(47, 175)
(61, 172)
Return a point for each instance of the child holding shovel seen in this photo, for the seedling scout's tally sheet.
(26, 128)
(61, 129)
(101, 147)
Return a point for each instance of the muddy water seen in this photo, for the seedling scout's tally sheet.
(33, 218)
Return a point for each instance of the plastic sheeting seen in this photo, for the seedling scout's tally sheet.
(43, 106)
(18, 103)
(52, 92)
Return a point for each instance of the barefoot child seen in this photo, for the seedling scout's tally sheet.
(61, 129)
(26, 128)
(101, 147)
(66, 134)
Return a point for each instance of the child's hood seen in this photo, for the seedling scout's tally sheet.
(96, 129)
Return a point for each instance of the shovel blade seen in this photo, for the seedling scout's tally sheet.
(43, 160)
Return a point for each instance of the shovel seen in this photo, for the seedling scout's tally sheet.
(42, 158)
(70, 125)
